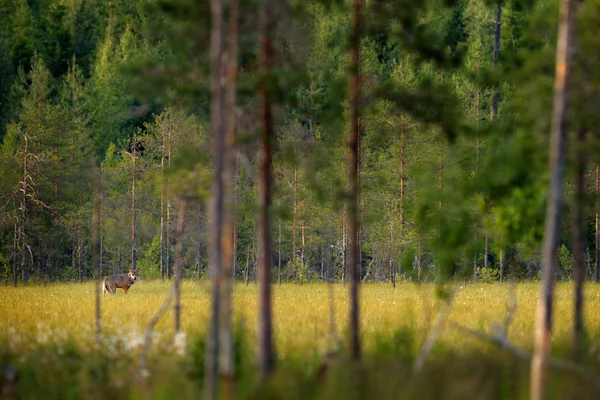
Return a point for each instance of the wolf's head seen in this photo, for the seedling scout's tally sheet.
(133, 275)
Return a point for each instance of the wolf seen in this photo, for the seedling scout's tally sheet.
(123, 281)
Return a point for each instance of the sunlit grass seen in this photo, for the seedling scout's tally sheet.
(36, 315)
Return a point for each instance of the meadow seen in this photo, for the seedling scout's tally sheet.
(47, 337)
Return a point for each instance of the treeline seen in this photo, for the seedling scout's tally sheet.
(454, 117)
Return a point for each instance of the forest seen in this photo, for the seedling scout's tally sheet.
(277, 143)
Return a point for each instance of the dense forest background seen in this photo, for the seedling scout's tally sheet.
(455, 118)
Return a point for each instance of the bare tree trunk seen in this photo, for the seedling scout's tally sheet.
(494, 102)
(302, 251)
(496, 53)
(477, 147)
(79, 246)
(199, 244)
(266, 353)
(133, 210)
(392, 247)
(279, 258)
(24, 210)
(486, 251)
(162, 217)
(178, 263)
(543, 332)
(96, 249)
(247, 271)
(101, 251)
(168, 240)
(402, 183)
(578, 241)
(353, 144)
(227, 239)
(15, 255)
(501, 255)
(216, 209)
(597, 227)
(344, 249)
(295, 211)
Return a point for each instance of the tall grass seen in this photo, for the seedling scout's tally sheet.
(42, 326)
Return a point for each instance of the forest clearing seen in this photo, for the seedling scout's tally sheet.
(322, 199)
(56, 319)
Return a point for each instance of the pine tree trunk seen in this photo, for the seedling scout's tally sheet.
(496, 53)
(353, 145)
(295, 211)
(162, 219)
(227, 238)
(133, 210)
(477, 147)
(178, 264)
(543, 330)
(24, 210)
(402, 184)
(266, 354)
(494, 100)
(392, 247)
(597, 227)
(199, 244)
(279, 256)
(344, 250)
(216, 208)
(101, 250)
(578, 242)
(302, 260)
(96, 250)
(168, 240)
(15, 255)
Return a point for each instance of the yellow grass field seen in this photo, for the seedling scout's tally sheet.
(38, 315)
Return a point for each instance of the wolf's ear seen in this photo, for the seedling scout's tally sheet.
(131, 270)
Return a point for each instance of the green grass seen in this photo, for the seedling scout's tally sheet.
(41, 326)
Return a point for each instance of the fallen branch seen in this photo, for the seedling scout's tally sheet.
(434, 334)
(518, 352)
(142, 373)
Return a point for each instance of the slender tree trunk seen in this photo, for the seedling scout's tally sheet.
(101, 250)
(496, 53)
(344, 249)
(178, 264)
(227, 239)
(543, 333)
(162, 218)
(392, 247)
(597, 227)
(486, 251)
(133, 210)
(402, 182)
(96, 250)
(216, 209)
(501, 255)
(79, 246)
(578, 241)
(302, 260)
(477, 147)
(247, 271)
(199, 244)
(353, 145)
(15, 255)
(266, 353)
(494, 100)
(279, 257)
(168, 240)
(295, 211)
(24, 210)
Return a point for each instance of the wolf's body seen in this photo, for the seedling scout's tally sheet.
(119, 281)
